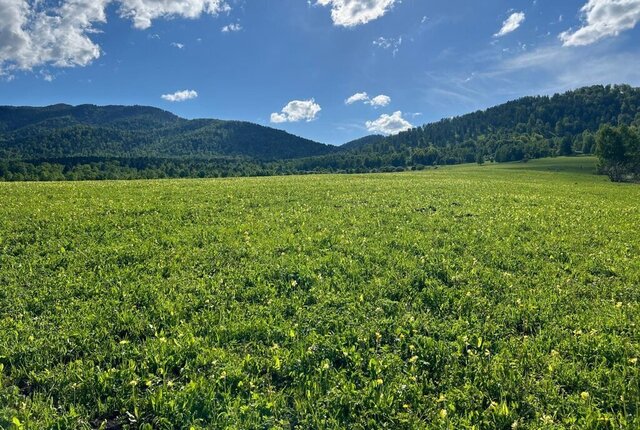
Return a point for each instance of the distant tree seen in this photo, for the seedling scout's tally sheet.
(509, 152)
(618, 149)
(610, 144)
(588, 143)
(433, 155)
(566, 146)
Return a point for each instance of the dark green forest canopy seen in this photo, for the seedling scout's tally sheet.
(91, 142)
(531, 127)
(63, 131)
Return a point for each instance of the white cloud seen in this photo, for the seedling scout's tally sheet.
(297, 110)
(278, 118)
(177, 45)
(357, 97)
(142, 12)
(563, 69)
(603, 18)
(31, 36)
(379, 101)
(388, 43)
(180, 96)
(349, 13)
(39, 33)
(511, 24)
(231, 28)
(389, 124)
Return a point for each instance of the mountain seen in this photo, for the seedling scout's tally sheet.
(64, 131)
(530, 127)
(362, 142)
(121, 117)
(92, 142)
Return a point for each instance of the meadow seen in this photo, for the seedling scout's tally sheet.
(481, 297)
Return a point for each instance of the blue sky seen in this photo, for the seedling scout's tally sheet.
(293, 64)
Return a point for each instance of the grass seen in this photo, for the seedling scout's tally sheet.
(584, 165)
(486, 297)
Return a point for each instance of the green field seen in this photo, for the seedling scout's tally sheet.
(486, 297)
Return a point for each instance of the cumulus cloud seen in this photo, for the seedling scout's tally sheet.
(231, 28)
(37, 33)
(29, 36)
(389, 124)
(357, 97)
(511, 24)
(142, 12)
(377, 101)
(180, 96)
(177, 45)
(297, 110)
(603, 18)
(349, 13)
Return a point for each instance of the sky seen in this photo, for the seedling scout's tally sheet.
(327, 70)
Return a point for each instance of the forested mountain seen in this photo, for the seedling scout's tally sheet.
(63, 131)
(536, 126)
(363, 141)
(91, 142)
(531, 127)
(34, 119)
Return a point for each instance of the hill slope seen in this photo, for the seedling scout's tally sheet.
(362, 142)
(531, 127)
(562, 116)
(91, 142)
(62, 131)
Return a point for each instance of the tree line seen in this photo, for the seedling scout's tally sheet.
(133, 143)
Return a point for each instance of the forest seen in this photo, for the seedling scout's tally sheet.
(63, 142)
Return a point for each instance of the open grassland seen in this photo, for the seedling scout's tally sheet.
(487, 297)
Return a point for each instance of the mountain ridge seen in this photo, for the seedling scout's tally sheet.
(525, 128)
(89, 141)
(62, 130)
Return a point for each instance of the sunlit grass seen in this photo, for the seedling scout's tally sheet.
(494, 296)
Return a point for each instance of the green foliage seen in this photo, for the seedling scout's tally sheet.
(91, 142)
(566, 146)
(364, 141)
(588, 143)
(619, 151)
(66, 132)
(529, 128)
(497, 296)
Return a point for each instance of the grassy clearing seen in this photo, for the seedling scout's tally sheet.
(487, 296)
(584, 165)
